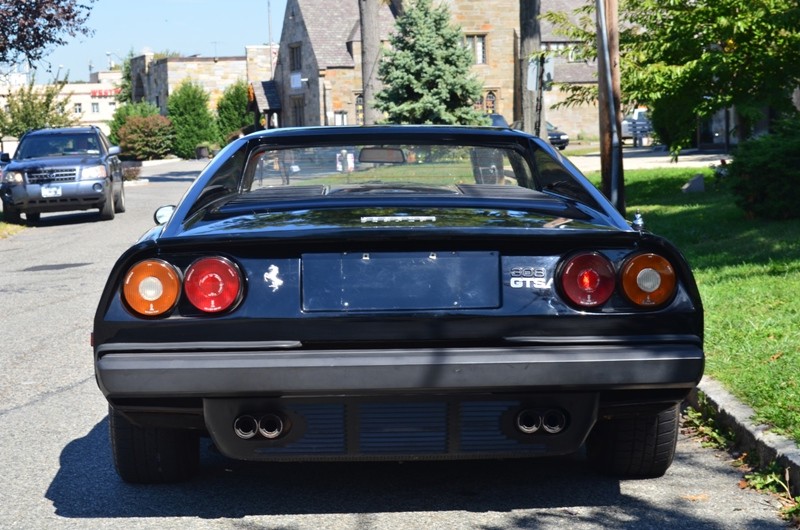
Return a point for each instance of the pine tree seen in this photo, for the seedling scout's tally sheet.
(426, 73)
(187, 107)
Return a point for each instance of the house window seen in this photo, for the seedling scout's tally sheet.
(112, 105)
(477, 44)
(295, 58)
(340, 117)
(77, 108)
(298, 106)
(360, 109)
(95, 107)
(490, 103)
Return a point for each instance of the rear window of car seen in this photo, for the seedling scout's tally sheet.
(381, 165)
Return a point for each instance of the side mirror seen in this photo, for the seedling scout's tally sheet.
(5, 157)
(114, 150)
(163, 214)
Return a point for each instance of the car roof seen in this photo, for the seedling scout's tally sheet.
(61, 130)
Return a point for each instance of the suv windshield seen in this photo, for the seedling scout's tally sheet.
(39, 146)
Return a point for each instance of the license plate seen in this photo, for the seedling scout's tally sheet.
(51, 191)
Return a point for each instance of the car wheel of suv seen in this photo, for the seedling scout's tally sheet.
(638, 447)
(107, 210)
(119, 200)
(149, 455)
(11, 214)
(33, 217)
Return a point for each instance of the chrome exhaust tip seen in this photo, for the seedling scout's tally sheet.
(270, 426)
(528, 421)
(245, 427)
(554, 421)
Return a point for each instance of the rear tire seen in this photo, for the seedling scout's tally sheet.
(150, 455)
(11, 214)
(635, 447)
(107, 210)
(33, 217)
(119, 200)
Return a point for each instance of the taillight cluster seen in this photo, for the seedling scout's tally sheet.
(152, 287)
(589, 279)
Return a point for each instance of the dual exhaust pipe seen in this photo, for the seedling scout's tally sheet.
(552, 421)
(270, 426)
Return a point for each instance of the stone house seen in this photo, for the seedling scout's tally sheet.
(318, 74)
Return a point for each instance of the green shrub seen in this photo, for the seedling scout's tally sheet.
(126, 111)
(194, 124)
(146, 137)
(232, 113)
(765, 174)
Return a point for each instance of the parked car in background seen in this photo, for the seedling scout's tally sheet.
(498, 120)
(636, 126)
(393, 293)
(62, 169)
(558, 139)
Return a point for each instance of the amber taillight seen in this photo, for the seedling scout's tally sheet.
(588, 279)
(151, 287)
(213, 284)
(648, 280)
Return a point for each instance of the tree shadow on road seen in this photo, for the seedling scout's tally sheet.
(552, 491)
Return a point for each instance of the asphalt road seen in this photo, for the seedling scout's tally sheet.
(55, 463)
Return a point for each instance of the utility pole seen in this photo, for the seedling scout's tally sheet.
(529, 63)
(609, 99)
(370, 55)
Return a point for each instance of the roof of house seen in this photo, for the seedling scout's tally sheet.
(331, 25)
(266, 96)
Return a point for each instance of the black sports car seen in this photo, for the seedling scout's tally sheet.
(395, 292)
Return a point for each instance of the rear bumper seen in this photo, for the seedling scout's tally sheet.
(209, 373)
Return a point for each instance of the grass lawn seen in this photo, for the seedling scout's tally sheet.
(748, 272)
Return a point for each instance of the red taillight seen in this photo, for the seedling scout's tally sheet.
(151, 287)
(648, 280)
(212, 285)
(588, 279)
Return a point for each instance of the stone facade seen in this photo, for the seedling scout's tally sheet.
(154, 80)
(318, 75)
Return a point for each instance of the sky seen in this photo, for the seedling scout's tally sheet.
(188, 27)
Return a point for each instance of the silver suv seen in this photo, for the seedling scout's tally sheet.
(56, 170)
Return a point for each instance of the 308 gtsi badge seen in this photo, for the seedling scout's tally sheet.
(453, 293)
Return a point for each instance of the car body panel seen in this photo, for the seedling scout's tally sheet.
(385, 319)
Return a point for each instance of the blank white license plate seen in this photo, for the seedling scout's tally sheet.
(51, 191)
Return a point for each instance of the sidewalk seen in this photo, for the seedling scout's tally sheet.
(649, 157)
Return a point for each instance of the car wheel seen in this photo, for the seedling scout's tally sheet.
(107, 210)
(119, 200)
(638, 447)
(149, 455)
(33, 217)
(11, 214)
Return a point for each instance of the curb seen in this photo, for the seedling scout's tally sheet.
(712, 400)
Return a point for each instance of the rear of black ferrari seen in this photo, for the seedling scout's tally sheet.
(396, 295)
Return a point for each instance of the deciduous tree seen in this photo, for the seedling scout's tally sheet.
(34, 107)
(28, 28)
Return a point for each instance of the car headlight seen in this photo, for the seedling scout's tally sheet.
(565, 137)
(12, 177)
(94, 172)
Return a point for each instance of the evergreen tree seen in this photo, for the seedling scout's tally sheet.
(126, 83)
(34, 107)
(426, 73)
(232, 112)
(187, 107)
